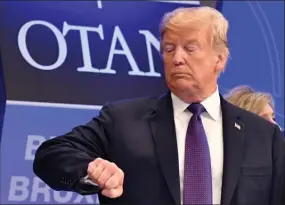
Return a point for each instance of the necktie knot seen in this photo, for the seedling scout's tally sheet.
(196, 108)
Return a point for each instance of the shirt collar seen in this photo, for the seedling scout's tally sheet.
(212, 104)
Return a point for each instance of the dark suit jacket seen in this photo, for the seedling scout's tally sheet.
(139, 136)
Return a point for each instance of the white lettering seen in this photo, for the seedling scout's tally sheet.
(117, 39)
(19, 188)
(57, 195)
(79, 198)
(33, 143)
(51, 137)
(22, 188)
(118, 36)
(150, 40)
(40, 188)
(62, 48)
(99, 4)
(87, 67)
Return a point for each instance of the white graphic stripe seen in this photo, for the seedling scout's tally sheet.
(179, 2)
(55, 105)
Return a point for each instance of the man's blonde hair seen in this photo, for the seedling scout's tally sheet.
(247, 98)
(198, 16)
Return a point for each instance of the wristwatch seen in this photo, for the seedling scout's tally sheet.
(85, 186)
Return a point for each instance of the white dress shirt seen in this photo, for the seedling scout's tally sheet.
(212, 122)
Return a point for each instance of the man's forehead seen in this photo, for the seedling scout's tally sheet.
(189, 34)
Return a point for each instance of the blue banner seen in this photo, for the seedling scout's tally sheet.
(2, 97)
(21, 139)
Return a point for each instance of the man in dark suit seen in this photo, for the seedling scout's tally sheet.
(188, 146)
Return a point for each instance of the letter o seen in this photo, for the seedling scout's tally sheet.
(62, 48)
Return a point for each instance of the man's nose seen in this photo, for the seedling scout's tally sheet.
(179, 57)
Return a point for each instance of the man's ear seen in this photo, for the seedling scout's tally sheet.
(221, 62)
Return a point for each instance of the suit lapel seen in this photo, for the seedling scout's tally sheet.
(233, 132)
(163, 130)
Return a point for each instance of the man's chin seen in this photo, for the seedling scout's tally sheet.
(182, 85)
(182, 82)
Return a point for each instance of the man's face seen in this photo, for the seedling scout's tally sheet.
(190, 62)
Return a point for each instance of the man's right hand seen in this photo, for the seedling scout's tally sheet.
(108, 176)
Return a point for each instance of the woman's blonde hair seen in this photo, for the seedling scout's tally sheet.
(247, 98)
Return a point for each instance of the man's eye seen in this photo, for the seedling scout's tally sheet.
(168, 48)
(191, 48)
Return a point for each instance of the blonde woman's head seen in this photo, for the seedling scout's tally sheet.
(260, 103)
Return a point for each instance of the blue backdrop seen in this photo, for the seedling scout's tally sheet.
(2, 97)
(63, 60)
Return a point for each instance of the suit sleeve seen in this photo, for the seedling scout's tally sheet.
(62, 161)
(277, 190)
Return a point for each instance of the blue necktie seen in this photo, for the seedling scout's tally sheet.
(197, 170)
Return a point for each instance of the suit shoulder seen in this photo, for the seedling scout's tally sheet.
(253, 119)
(132, 106)
(133, 102)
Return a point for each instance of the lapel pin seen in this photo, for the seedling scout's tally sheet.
(237, 126)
